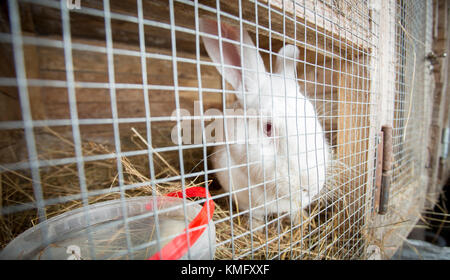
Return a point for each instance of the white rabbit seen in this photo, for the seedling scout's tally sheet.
(284, 173)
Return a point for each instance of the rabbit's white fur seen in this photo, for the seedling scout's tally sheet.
(285, 173)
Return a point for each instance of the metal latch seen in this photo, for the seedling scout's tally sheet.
(383, 171)
(432, 57)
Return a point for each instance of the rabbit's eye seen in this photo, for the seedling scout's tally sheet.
(268, 129)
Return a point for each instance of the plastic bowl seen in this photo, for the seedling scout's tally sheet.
(69, 236)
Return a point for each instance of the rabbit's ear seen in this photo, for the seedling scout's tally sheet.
(286, 57)
(253, 63)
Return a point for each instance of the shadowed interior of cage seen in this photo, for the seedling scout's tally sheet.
(103, 110)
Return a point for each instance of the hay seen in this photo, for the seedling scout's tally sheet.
(330, 228)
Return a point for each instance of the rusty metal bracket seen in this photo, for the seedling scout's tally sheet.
(383, 172)
(378, 172)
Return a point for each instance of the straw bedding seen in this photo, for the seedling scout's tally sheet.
(330, 228)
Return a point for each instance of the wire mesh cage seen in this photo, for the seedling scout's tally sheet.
(409, 115)
(243, 129)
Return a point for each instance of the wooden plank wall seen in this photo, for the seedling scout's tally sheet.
(48, 63)
(437, 171)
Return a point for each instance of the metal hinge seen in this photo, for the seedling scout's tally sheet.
(383, 171)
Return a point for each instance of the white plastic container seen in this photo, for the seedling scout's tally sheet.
(69, 239)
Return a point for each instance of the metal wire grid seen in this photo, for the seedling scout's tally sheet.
(410, 109)
(356, 92)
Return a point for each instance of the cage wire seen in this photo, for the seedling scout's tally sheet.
(105, 94)
(413, 43)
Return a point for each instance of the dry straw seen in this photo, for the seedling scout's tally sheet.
(333, 227)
